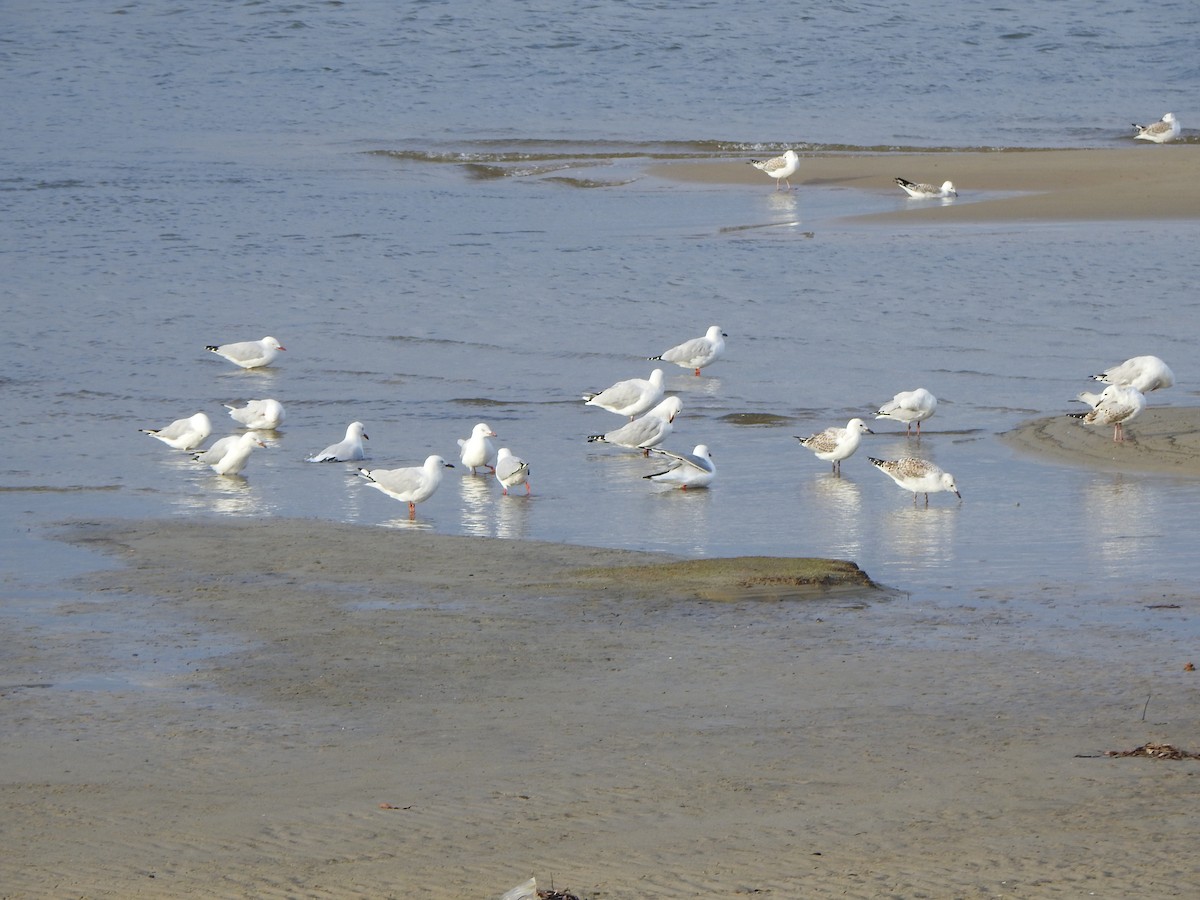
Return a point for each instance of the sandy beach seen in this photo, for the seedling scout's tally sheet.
(1142, 182)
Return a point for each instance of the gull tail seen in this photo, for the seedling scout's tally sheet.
(596, 437)
(212, 347)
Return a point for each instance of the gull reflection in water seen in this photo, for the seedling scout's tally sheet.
(680, 518)
(229, 495)
(918, 537)
(476, 492)
(835, 506)
(1120, 516)
(512, 515)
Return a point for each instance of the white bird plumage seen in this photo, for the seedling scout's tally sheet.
(917, 475)
(926, 191)
(229, 455)
(1146, 373)
(511, 470)
(908, 407)
(697, 352)
(267, 414)
(183, 434)
(348, 448)
(1165, 129)
(478, 450)
(836, 444)
(648, 431)
(1116, 405)
(411, 485)
(688, 470)
(630, 397)
(781, 168)
(249, 354)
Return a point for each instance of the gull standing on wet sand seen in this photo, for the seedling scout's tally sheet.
(1116, 405)
(1165, 129)
(698, 352)
(183, 434)
(631, 397)
(917, 475)
(249, 354)
(836, 444)
(927, 191)
(908, 407)
(695, 469)
(348, 448)
(781, 168)
(411, 485)
(511, 470)
(648, 431)
(478, 450)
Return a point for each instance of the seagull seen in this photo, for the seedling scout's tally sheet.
(348, 448)
(1165, 129)
(217, 451)
(917, 475)
(687, 470)
(1117, 405)
(267, 414)
(235, 454)
(908, 407)
(836, 444)
(1146, 373)
(927, 191)
(631, 397)
(698, 352)
(781, 168)
(249, 354)
(648, 431)
(1089, 398)
(477, 450)
(511, 470)
(183, 434)
(411, 485)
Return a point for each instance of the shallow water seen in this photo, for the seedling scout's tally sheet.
(443, 232)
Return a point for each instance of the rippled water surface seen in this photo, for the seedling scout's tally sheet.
(446, 224)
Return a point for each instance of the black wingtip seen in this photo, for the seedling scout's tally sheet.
(212, 347)
(595, 437)
(654, 358)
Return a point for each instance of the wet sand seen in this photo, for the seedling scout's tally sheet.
(1141, 182)
(316, 710)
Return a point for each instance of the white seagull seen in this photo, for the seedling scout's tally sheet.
(781, 168)
(267, 414)
(249, 354)
(698, 352)
(917, 475)
(1165, 129)
(348, 448)
(1146, 373)
(648, 431)
(631, 397)
(183, 434)
(908, 407)
(836, 444)
(1117, 405)
(927, 191)
(511, 470)
(687, 470)
(229, 456)
(411, 485)
(478, 450)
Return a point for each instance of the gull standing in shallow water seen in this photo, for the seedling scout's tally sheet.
(1146, 373)
(630, 397)
(348, 448)
(1117, 405)
(249, 354)
(233, 455)
(917, 475)
(183, 434)
(478, 450)
(411, 485)
(695, 469)
(1165, 129)
(781, 168)
(836, 444)
(698, 352)
(927, 191)
(648, 431)
(511, 470)
(267, 414)
(908, 407)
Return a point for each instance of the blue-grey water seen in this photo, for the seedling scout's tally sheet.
(443, 211)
